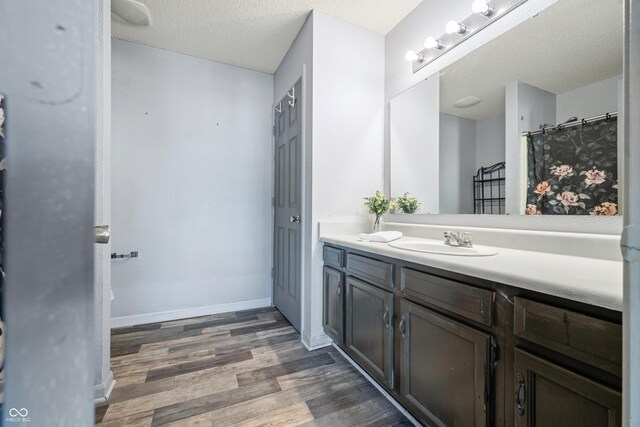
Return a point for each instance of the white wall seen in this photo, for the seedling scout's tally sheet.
(103, 381)
(527, 107)
(415, 144)
(458, 164)
(348, 105)
(588, 101)
(191, 184)
(490, 143)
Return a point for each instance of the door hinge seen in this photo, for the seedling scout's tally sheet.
(273, 273)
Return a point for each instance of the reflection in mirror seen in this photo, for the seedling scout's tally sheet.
(564, 63)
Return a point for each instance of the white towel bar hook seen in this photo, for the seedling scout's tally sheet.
(292, 95)
(279, 108)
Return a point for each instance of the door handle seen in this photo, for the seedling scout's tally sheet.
(339, 290)
(294, 219)
(401, 326)
(103, 232)
(521, 393)
(385, 318)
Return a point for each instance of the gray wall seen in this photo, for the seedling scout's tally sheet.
(490, 134)
(588, 101)
(457, 164)
(191, 185)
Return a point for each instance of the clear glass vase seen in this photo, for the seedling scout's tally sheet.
(375, 224)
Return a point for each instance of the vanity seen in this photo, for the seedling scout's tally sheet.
(458, 350)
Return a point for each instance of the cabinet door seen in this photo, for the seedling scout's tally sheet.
(333, 310)
(369, 331)
(446, 369)
(550, 396)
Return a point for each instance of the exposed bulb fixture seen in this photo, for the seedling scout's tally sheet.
(482, 7)
(454, 27)
(433, 43)
(412, 56)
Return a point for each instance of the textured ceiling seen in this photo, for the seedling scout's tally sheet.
(254, 34)
(569, 45)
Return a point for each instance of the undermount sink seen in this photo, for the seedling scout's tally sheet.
(442, 249)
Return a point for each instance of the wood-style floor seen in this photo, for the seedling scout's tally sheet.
(246, 368)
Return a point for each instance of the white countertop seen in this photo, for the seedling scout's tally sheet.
(588, 280)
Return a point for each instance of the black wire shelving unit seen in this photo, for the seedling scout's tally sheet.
(489, 190)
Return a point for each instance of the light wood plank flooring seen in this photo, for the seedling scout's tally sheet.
(246, 368)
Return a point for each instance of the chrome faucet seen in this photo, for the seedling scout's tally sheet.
(457, 239)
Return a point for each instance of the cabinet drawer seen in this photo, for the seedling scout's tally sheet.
(372, 270)
(549, 395)
(473, 303)
(585, 338)
(333, 257)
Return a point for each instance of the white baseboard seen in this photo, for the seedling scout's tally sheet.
(185, 313)
(378, 387)
(315, 342)
(101, 392)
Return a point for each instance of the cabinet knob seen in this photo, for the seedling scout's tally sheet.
(339, 291)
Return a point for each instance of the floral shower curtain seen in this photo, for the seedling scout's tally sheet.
(574, 171)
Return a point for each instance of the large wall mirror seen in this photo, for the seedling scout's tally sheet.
(525, 124)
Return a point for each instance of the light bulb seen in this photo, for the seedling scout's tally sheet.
(433, 43)
(455, 27)
(411, 56)
(482, 7)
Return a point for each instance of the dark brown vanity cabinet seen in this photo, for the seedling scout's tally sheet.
(369, 337)
(333, 309)
(455, 350)
(548, 395)
(446, 368)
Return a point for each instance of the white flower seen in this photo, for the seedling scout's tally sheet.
(562, 170)
(595, 177)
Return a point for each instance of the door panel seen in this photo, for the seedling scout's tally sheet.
(52, 123)
(443, 368)
(369, 332)
(333, 309)
(294, 160)
(550, 396)
(287, 207)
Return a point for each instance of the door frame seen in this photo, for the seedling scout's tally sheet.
(305, 196)
(631, 216)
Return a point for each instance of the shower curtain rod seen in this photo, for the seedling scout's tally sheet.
(572, 124)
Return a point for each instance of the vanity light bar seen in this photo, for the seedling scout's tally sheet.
(485, 12)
